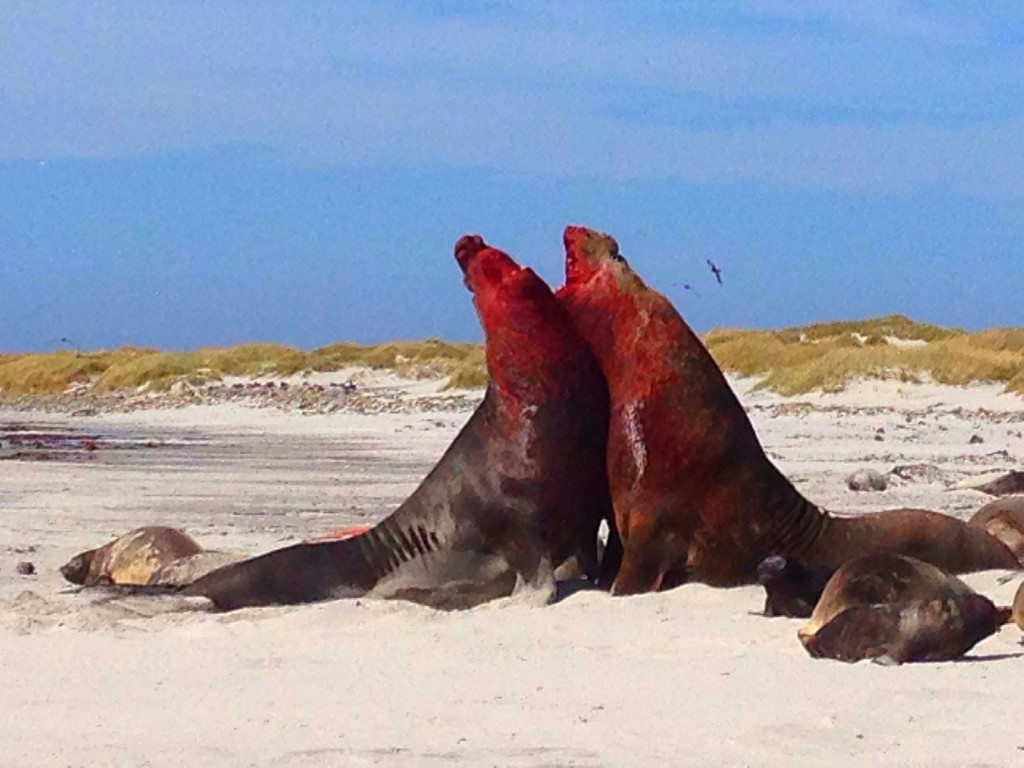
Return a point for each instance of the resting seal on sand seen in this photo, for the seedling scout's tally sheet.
(521, 489)
(1007, 485)
(131, 559)
(1004, 519)
(897, 607)
(694, 495)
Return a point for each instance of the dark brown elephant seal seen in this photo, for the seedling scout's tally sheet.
(900, 609)
(1004, 519)
(131, 559)
(1007, 485)
(694, 495)
(521, 490)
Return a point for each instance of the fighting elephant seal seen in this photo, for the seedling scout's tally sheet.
(131, 559)
(522, 488)
(897, 608)
(695, 497)
(1004, 519)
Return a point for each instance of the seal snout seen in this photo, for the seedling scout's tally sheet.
(467, 247)
(75, 569)
(483, 266)
(586, 250)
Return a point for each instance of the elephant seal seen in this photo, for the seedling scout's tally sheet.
(131, 559)
(520, 490)
(791, 589)
(1006, 485)
(1004, 519)
(695, 497)
(900, 609)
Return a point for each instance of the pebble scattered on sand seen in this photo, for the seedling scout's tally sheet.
(303, 397)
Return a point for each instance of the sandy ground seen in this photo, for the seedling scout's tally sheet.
(690, 677)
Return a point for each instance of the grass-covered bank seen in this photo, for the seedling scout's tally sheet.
(133, 367)
(825, 356)
(822, 356)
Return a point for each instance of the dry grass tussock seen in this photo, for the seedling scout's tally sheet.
(823, 356)
(132, 367)
(826, 356)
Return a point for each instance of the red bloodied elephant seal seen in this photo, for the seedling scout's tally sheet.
(522, 488)
(695, 497)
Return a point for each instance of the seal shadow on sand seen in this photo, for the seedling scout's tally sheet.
(989, 657)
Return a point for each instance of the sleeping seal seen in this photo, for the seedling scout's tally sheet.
(1004, 519)
(131, 559)
(899, 609)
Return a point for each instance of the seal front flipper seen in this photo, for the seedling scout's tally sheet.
(638, 574)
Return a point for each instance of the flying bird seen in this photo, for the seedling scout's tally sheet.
(686, 287)
(65, 341)
(715, 270)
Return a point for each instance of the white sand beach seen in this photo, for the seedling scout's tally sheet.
(694, 676)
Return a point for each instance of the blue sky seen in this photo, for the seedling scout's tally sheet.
(184, 173)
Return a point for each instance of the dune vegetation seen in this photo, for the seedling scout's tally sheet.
(826, 356)
(132, 367)
(822, 357)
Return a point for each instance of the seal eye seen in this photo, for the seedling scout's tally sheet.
(616, 256)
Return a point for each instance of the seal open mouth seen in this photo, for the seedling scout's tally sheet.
(482, 265)
(586, 251)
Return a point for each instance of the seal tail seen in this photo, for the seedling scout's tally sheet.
(310, 572)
